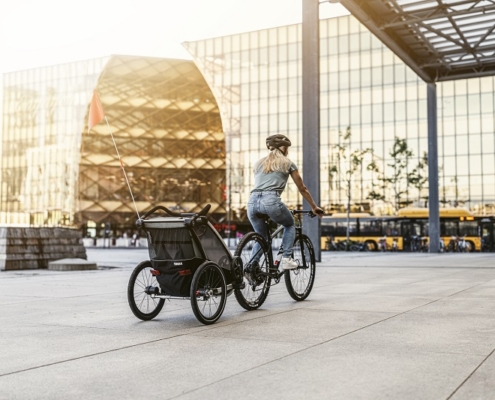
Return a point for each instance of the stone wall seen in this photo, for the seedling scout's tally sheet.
(32, 248)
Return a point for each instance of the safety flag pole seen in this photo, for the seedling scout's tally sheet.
(96, 115)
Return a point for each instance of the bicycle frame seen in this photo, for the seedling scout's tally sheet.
(271, 236)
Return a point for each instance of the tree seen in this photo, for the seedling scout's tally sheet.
(397, 181)
(418, 177)
(348, 163)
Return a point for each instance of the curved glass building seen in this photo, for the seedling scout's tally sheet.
(166, 126)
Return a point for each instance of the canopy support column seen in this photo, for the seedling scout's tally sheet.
(433, 200)
(311, 114)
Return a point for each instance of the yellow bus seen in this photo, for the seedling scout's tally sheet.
(410, 227)
(363, 227)
(455, 223)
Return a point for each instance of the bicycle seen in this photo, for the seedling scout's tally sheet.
(463, 245)
(419, 244)
(258, 275)
(361, 246)
(331, 245)
(395, 244)
(442, 246)
(339, 245)
(459, 244)
(382, 244)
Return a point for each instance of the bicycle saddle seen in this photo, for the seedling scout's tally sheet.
(263, 216)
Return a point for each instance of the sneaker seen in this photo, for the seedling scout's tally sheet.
(289, 263)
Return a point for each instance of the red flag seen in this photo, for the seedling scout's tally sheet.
(96, 113)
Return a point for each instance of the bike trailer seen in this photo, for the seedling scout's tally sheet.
(178, 247)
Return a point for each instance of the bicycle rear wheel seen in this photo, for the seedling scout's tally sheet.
(299, 282)
(256, 286)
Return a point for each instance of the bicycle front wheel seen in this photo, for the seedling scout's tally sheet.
(299, 282)
(256, 286)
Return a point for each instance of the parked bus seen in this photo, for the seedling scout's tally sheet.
(362, 228)
(410, 227)
(455, 223)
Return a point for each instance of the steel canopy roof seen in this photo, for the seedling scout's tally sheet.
(439, 39)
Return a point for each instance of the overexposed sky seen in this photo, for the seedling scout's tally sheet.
(36, 33)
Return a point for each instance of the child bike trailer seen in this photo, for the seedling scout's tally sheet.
(188, 260)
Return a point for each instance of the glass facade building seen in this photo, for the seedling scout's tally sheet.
(166, 126)
(364, 89)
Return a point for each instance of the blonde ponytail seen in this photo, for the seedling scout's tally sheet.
(276, 161)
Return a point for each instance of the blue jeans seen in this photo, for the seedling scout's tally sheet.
(270, 203)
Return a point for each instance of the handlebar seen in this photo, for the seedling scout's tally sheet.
(310, 213)
(155, 209)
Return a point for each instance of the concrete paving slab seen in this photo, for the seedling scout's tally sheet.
(416, 331)
(461, 303)
(422, 289)
(357, 288)
(480, 292)
(62, 343)
(480, 385)
(306, 326)
(369, 302)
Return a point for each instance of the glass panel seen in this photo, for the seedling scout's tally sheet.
(469, 228)
(354, 42)
(365, 39)
(448, 228)
(370, 227)
(341, 228)
(388, 75)
(391, 228)
(365, 77)
(487, 103)
(474, 165)
(344, 63)
(343, 44)
(376, 76)
(355, 79)
(343, 26)
(474, 103)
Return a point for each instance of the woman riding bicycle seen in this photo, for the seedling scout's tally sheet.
(270, 178)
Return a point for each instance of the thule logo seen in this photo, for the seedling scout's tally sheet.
(177, 263)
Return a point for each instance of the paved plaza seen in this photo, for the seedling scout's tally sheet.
(376, 326)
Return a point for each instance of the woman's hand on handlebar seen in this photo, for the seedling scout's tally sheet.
(318, 211)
